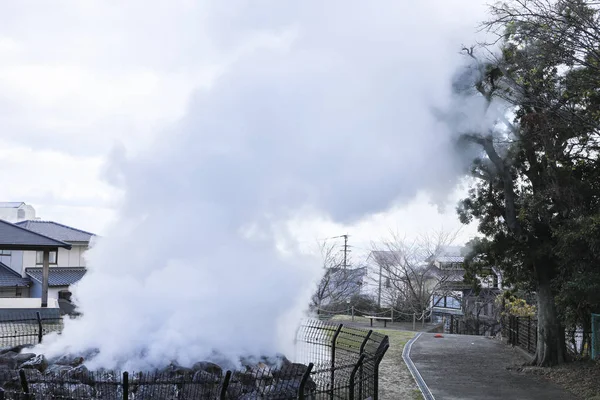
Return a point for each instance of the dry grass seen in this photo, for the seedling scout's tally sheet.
(395, 381)
(581, 378)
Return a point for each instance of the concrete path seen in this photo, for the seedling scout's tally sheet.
(475, 368)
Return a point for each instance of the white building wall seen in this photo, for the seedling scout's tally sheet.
(22, 213)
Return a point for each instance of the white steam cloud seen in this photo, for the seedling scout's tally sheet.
(317, 105)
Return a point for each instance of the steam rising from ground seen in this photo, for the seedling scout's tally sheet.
(317, 106)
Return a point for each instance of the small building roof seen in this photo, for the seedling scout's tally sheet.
(10, 278)
(58, 276)
(56, 231)
(11, 204)
(386, 257)
(15, 237)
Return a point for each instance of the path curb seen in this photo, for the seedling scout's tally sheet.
(413, 369)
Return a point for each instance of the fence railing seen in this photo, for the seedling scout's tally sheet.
(332, 362)
(595, 336)
(523, 332)
(469, 325)
(27, 328)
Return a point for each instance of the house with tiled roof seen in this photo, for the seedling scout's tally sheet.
(457, 298)
(67, 266)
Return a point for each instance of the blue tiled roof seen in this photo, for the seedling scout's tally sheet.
(58, 276)
(8, 277)
(56, 231)
(15, 237)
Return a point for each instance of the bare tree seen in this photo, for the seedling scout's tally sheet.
(338, 284)
(405, 274)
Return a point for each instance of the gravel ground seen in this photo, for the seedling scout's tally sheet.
(395, 381)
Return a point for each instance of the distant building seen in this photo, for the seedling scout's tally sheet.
(16, 211)
(21, 271)
(456, 297)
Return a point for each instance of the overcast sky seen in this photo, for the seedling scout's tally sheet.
(81, 78)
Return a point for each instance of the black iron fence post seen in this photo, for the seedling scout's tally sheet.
(529, 334)
(40, 327)
(518, 329)
(24, 384)
(353, 374)
(226, 380)
(125, 385)
(362, 351)
(383, 346)
(333, 340)
(305, 376)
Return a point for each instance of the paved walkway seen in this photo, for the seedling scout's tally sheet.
(475, 368)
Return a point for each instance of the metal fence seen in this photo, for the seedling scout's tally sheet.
(523, 332)
(595, 336)
(466, 325)
(332, 362)
(27, 328)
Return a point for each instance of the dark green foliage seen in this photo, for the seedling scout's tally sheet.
(537, 195)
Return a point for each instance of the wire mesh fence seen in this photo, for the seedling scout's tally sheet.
(27, 328)
(332, 362)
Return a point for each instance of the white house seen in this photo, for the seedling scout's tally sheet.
(453, 295)
(66, 266)
(16, 211)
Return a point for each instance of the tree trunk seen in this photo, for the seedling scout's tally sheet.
(551, 347)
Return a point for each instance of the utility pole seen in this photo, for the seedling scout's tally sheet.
(346, 251)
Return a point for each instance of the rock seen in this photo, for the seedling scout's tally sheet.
(208, 367)
(282, 390)
(235, 390)
(160, 391)
(108, 391)
(43, 391)
(8, 359)
(290, 371)
(251, 396)
(57, 369)
(205, 377)
(70, 360)
(80, 373)
(39, 362)
(204, 392)
(80, 391)
(14, 349)
(21, 358)
(11, 380)
(174, 370)
(33, 375)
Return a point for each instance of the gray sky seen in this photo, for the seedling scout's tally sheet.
(79, 78)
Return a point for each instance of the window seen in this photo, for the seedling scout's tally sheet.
(64, 295)
(446, 302)
(39, 257)
(5, 252)
(388, 283)
(494, 280)
(452, 265)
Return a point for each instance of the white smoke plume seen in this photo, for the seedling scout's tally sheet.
(316, 106)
